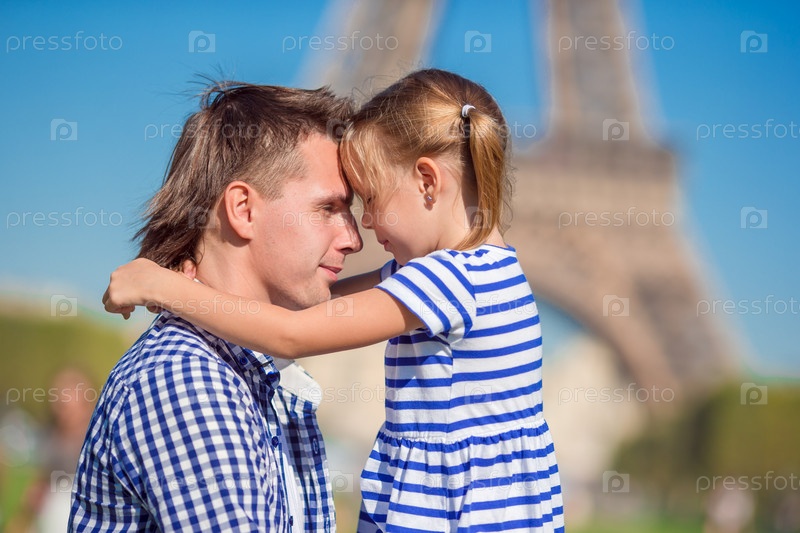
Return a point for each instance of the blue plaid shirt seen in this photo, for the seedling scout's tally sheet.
(188, 434)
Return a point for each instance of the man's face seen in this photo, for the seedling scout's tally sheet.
(303, 237)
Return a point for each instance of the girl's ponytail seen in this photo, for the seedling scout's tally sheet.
(487, 143)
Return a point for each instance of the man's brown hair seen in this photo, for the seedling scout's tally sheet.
(241, 132)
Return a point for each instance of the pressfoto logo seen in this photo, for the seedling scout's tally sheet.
(767, 129)
(336, 128)
(61, 481)
(614, 130)
(63, 43)
(341, 481)
(479, 217)
(64, 219)
(202, 42)
(457, 132)
(354, 41)
(633, 216)
(63, 130)
(630, 41)
(613, 481)
(81, 392)
(769, 481)
(477, 42)
(340, 306)
(631, 393)
(202, 218)
(613, 305)
(475, 393)
(61, 305)
(752, 218)
(757, 306)
(752, 394)
(753, 43)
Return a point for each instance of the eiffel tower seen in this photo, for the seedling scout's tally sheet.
(596, 215)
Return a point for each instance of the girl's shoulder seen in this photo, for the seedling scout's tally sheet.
(484, 256)
(483, 259)
(475, 266)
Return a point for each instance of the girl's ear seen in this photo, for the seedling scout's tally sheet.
(428, 174)
(238, 202)
(189, 268)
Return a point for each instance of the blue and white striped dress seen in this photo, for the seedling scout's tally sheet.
(465, 446)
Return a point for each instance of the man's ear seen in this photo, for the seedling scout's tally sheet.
(429, 177)
(238, 200)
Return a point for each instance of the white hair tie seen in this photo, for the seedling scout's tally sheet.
(465, 110)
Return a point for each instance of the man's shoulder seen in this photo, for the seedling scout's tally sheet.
(172, 346)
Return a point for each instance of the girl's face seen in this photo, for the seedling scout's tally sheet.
(403, 221)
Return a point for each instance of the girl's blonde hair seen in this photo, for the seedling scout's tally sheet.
(421, 115)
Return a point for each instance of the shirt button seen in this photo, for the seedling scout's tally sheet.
(275, 441)
(291, 520)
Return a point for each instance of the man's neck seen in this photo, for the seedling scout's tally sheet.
(225, 273)
(225, 276)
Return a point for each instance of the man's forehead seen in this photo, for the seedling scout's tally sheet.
(323, 187)
(318, 147)
(322, 178)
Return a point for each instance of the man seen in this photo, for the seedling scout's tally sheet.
(191, 432)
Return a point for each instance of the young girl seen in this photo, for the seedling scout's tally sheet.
(465, 446)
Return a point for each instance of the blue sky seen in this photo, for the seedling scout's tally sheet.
(115, 78)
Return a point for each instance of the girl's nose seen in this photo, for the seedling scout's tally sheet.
(366, 220)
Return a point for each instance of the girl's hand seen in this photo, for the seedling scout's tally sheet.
(135, 283)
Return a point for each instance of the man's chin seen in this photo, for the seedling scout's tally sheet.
(322, 295)
(306, 295)
(323, 298)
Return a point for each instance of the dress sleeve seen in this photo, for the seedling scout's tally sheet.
(388, 269)
(438, 291)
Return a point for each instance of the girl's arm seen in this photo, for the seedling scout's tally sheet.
(354, 321)
(358, 283)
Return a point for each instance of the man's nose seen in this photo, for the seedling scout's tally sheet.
(352, 242)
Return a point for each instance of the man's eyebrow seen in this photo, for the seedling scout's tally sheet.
(336, 197)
